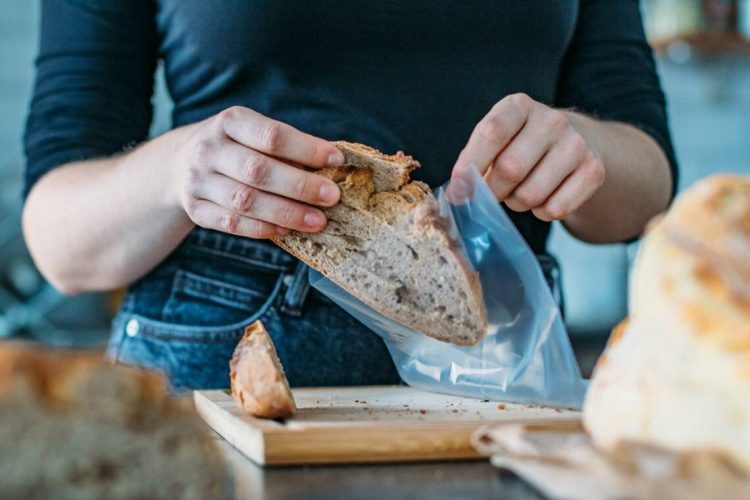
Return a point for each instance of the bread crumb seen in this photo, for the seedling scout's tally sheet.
(422, 411)
(501, 406)
(454, 411)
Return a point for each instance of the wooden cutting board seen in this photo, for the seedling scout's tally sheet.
(364, 424)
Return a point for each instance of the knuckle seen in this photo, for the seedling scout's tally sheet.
(203, 151)
(529, 196)
(556, 120)
(244, 200)
(261, 230)
(289, 215)
(229, 115)
(555, 211)
(510, 168)
(518, 99)
(256, 170)
(271, 136)
(194, 173)
(301, 186)
(491, 130)
(578, 144)
(191, 208)
(594, 170)
(229, 222)
(192, 187)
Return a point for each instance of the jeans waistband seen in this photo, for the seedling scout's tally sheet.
(296, 284)
(237, 249)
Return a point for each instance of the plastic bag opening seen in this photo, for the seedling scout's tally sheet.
(525, 355)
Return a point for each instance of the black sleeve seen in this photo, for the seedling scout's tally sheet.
(94, 81)
(609, 72)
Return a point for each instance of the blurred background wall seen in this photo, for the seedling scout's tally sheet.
(703, 56)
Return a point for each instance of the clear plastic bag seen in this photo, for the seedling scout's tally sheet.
(525, 355)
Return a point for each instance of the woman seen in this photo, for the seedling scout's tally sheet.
(556, 103)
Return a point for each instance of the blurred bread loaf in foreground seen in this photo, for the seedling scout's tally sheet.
(259, 384)
(387, 244)
(74, 426)
(677, 373)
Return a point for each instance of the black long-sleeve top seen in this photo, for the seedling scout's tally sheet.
(412, 75)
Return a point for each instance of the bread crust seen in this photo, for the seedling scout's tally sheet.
(259, 385)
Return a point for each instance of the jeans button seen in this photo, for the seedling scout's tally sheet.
(131, 329)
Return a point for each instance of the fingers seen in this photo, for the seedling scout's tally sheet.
(494, 132)
(211, 216)
(269, 174)
(579, 187)
(253, 130)
(548, 174)
(253, 203)
(516, 161)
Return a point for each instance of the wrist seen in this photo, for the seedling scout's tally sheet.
(160, 160)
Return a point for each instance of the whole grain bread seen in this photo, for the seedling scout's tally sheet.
(387, 244)
(74, 426)
(259, 384)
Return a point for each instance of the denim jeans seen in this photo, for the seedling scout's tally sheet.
(185, 317)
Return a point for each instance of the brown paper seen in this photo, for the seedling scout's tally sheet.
(560, 461)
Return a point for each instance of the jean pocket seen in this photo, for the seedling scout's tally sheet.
(201, 300)
(191, 357)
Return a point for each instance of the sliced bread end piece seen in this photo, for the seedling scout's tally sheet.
(259, 384)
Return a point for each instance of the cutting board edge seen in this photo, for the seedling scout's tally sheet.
(214, 416)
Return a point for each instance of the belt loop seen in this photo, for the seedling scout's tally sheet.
(296, 292)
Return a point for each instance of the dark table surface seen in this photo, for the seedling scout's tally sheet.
(434, 481)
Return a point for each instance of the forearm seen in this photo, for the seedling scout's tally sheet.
(102, 224)
(637, 184)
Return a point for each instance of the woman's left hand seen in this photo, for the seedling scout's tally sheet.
(533, 158)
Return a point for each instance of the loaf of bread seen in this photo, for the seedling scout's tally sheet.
(259, 384)
(677, 373)
(75, 426)
(386, 244)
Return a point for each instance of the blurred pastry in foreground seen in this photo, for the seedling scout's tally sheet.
(74, 426)
(677, 373)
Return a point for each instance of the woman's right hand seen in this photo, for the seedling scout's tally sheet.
(242, 173)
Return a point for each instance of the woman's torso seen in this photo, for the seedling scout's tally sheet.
(415, 76)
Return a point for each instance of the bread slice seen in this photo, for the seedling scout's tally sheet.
(258, 382)
(74, 426)
(386, 244)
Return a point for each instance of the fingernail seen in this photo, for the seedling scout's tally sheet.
(328, 193)
(282, 231)
(313, 219)
(335, 159)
